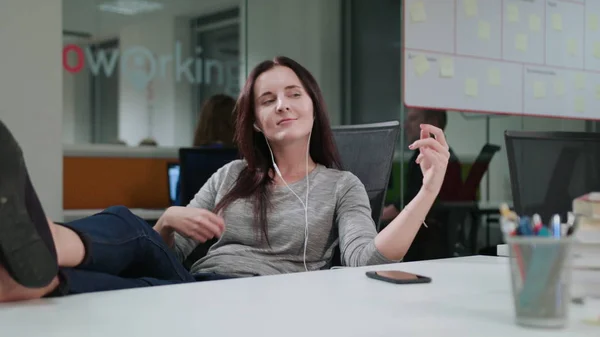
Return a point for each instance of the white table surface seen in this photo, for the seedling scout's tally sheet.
(468, 297)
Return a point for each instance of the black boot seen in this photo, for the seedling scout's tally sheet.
(27, 250)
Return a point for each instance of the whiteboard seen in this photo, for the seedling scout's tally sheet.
(524, 57)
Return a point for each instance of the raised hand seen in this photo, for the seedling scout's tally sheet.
(433, 157)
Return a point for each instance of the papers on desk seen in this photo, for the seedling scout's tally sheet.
(586, 251)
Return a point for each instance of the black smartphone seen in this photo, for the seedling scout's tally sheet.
(398, 277)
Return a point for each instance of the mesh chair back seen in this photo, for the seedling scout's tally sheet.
(367, 151)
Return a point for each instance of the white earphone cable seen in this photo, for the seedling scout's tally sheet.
(304, 204)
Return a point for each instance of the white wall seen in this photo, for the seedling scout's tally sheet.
(308, 31)
(31, 91)
(467, 135)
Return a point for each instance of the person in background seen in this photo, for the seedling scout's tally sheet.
(428, 239)
(216, 124)
(215, 128)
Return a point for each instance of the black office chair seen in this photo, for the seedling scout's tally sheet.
(197, 165)
(471, 213)
(549, 169)
(367, 150)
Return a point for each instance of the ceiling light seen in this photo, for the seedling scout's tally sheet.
(130, 7)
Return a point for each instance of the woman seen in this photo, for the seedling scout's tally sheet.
(215, 126)
(214, 129)
(253, 206)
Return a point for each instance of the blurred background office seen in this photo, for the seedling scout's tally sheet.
(141, 70)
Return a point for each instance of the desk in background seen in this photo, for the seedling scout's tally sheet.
(97, 176)
(475, 213)
(468, 296)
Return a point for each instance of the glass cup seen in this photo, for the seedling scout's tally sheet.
(541, 280)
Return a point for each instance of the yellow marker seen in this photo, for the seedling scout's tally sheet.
(507, 213)
(484, 29)
(513, 13)
(557, 22)
(521, 42)
(417, 12)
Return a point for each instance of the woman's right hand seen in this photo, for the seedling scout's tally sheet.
(195, 223)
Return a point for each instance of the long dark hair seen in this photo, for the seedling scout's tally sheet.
(216, 121)
(254, 180)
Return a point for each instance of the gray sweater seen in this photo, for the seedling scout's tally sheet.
(339, 213)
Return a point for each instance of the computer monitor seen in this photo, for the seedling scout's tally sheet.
(198, 165)
(173, 172)
(550, 169)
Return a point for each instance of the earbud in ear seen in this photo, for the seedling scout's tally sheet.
(277, 170)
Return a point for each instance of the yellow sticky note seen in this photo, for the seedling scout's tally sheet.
(557, 21)
(572, 47)
(580, 81)
(593, 22)
(521, 42)
(539, 89)
(494, 77)
(417, 12)
(579, 104)
(446, 67)
(513, 13)
(484, 30)
(559, 87)
(535, 23)
(598, 91)
(421, 64)
(471, 87)
(597, 50)
(470, 8)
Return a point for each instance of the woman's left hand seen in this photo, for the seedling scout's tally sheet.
(433, 157)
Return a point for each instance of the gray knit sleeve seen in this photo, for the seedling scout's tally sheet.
(355, 226)
(206, 198)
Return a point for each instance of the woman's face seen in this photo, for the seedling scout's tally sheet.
(283, 109)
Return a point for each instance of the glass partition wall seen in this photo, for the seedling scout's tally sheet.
(138, 70)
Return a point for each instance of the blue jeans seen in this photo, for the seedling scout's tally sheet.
(123, 252)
